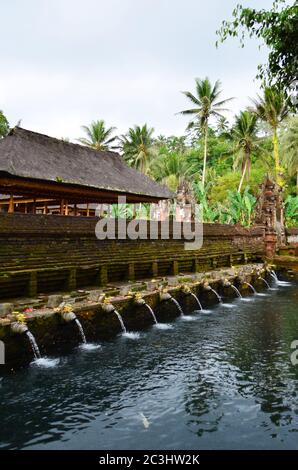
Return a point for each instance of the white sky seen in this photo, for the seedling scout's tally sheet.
(64, 63)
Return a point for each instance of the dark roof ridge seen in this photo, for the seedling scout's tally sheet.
(17, 129)
(32, 155)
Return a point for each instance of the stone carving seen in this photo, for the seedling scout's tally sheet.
(270, 214)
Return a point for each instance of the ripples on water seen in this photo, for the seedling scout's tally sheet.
(225, 381)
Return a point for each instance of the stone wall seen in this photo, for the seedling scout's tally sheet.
(47, 253)
(55, 336)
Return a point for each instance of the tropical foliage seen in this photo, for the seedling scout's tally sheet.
(289, 147)
(98, 136)
(206, 103)
(278, 28)
(291, 211)
(137, 147)
(244, 135)
(4, 126)
(272, 108)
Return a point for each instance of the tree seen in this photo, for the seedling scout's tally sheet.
(289, 147)
(222, 126)
(278, 28)
(272, 108)
(206, 105)
(239, 207)
(98, 137)
(291, 211)
(137, 147)
(244, 134)
(172, 169)
(4, 125)
(171, 143)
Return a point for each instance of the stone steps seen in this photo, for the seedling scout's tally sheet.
(79, 260)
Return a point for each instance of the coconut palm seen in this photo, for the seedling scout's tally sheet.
(206, 104)
(289, 147)
(137, 147)
(172, 169)
(244, 135)
(273, 108)
(98, 136)
(222, 126)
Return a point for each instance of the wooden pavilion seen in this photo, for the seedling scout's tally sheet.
(41, 174)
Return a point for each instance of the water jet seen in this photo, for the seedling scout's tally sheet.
(251, 287)
(265, 282)
(21, 328)
(206, 286)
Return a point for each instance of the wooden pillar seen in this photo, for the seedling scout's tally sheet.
(62, 207)
(75, 210)
(34, 206)
(88, 210)
(66, 208)
(45, 209)
(11, 205)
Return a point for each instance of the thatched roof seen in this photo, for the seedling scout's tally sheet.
(36, 157)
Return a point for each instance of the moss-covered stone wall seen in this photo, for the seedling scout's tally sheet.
(47, 253)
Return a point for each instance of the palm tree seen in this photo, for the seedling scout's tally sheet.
(222, 126)
(172, 169)
(98, 137)
(206, 105)
(244, 134)
(137, 147)
(289, 147)
(272, 108)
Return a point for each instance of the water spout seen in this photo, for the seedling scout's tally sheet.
(120, 320)
(33, 344)
(251, 286)
(237, 291)
(152, 313)
(21, 328)
(274, 275)
(265, 282)
(178, 306)
(197, 300)
(217, 295)
(78, 323)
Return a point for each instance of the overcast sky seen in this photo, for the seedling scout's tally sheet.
(64, 63)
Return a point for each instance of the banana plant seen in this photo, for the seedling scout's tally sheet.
(240, 207)
(291, 211)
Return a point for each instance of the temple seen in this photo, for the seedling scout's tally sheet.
(49, 191)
